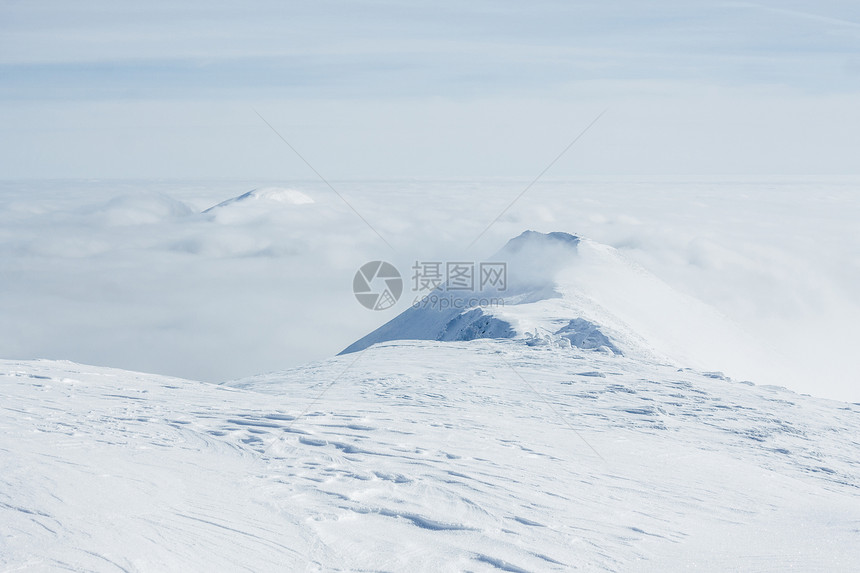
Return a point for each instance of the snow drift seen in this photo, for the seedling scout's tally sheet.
(424, 456)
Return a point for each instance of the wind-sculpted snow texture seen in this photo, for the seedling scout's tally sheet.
(425, 456)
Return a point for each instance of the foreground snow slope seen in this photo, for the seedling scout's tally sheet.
(425, 456)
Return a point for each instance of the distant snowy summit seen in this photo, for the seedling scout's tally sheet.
(263, 195)
(565, 291)
(259, 204)
(528, 308)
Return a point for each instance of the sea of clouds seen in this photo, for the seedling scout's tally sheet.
(173, 277)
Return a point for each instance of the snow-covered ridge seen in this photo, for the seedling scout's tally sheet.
(569, 291)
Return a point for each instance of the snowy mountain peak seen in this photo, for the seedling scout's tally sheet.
(533, 262)
(529, 239)
(567, 291)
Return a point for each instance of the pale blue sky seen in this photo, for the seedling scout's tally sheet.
(443, 89)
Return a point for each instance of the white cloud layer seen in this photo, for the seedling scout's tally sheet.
(135, 275)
